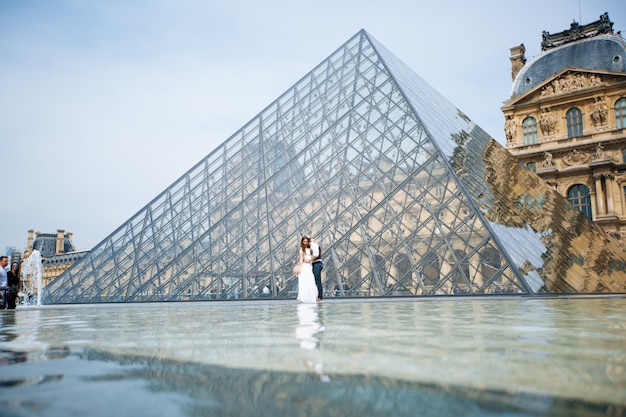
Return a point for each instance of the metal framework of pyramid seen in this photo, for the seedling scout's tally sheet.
(406, 195)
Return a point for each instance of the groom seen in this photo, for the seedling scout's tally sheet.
(316, 263)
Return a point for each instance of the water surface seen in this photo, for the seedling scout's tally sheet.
(511, 357)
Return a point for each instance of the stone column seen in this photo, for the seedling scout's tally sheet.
(599, 195)
(608, 183)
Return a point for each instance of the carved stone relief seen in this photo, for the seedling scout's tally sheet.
(510, 129)
(570, 82)
(548, 161)
(600, 153)
(604, 175)
(599, 111)
(547, 122)
(575, 158)
(553, 183)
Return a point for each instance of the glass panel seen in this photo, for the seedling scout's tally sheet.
(407, 196)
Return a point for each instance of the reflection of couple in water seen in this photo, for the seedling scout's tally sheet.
(309, 271)
(309, 327)
(309, 294)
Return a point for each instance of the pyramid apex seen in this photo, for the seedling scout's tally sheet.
(406, 195)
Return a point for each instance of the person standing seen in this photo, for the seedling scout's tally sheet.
(4, 261)
(307, 289)
(13, 281)
(318, 265)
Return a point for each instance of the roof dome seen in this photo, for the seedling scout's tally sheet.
(46, 244)
(603, 52)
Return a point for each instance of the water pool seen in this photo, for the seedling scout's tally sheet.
(507, 357)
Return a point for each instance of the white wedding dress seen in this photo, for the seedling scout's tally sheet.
(307, 290)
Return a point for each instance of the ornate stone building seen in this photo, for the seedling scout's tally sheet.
(566, 119)
(57, 253)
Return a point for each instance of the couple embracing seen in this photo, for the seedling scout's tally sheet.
(310, 271)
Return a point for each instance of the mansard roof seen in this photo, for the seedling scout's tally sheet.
(605, 52)
(568, 80)
(46, 244)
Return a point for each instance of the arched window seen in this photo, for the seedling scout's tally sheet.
(578, 195)
(404, 273)
(620, 113)
(574, 119)
(490, 260)
(430, 269)
(529, 128)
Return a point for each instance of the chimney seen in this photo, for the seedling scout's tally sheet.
(518, 59)
(60, 242)
(70, 236)
(29, 243)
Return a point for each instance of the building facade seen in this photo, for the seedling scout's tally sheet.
(566, 118)
(57, 253)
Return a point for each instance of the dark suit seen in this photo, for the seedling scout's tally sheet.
(317, 265)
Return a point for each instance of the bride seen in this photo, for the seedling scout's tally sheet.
(307, 290)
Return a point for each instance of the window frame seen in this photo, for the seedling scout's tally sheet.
(579, 196)
(574, 118)
(620, 113)
(530, 132)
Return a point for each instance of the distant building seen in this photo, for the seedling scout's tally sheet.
(57, 252)
(566, 118)
(14, 254)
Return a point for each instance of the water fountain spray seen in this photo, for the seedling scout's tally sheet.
(32, 278)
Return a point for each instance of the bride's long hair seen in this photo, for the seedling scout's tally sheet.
(303, 247)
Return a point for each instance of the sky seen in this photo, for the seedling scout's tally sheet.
(105, 103)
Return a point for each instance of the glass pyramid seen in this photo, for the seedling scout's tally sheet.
(406, 195)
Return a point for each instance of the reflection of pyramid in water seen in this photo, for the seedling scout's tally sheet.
(407, 196)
